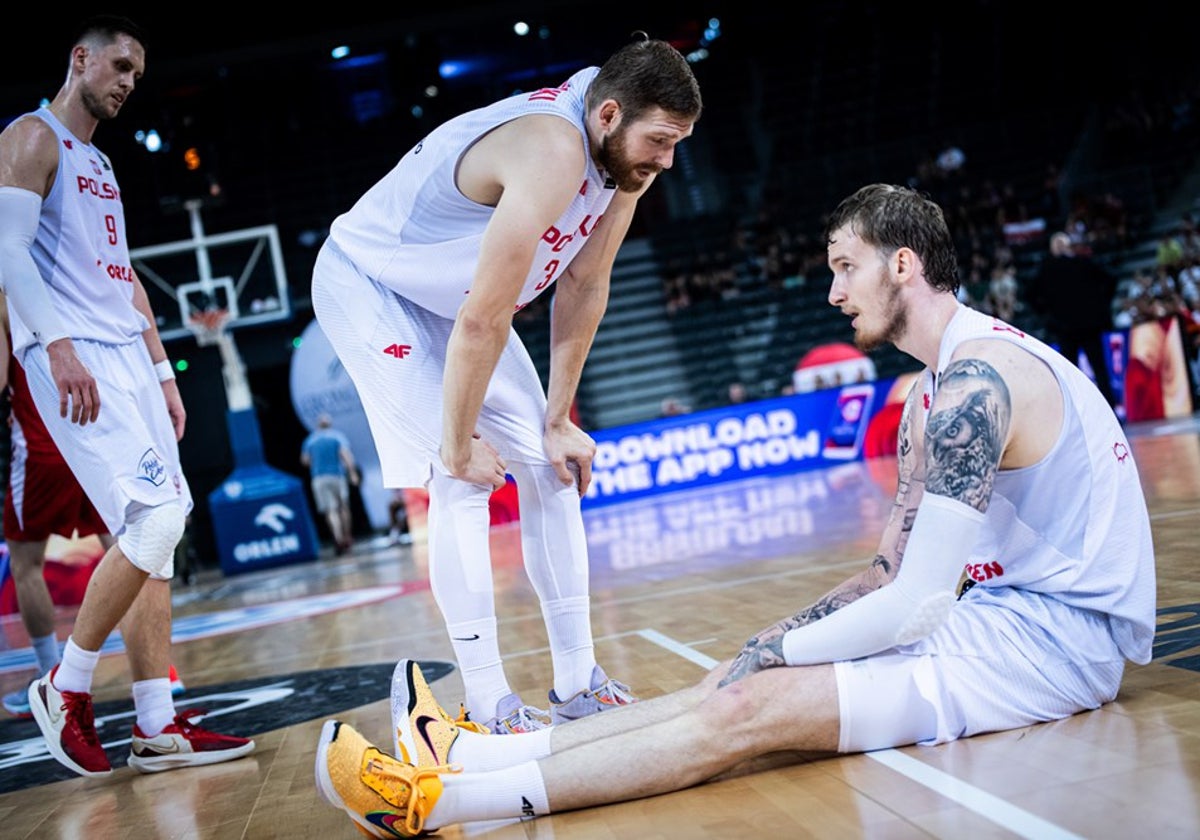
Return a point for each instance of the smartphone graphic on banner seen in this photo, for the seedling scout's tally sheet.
(848, 425)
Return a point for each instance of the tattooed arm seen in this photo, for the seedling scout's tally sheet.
(765, 648)
(967, 433)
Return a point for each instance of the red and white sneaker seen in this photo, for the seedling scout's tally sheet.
(68, 724)
(184, 744)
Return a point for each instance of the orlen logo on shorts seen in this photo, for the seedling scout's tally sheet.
(980, 572)
(151, 468)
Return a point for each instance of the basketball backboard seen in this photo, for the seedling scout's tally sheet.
(239, 271)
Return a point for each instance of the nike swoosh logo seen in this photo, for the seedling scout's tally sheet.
(466, 638)
(384, 820)
(55, 711)
(154, 748)
(422, 722)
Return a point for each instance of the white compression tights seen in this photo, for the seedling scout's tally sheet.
(460, 576)
(555, 552)
(554, 545)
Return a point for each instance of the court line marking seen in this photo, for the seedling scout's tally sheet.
(679, 648)
(986, 805)
(1175, 514)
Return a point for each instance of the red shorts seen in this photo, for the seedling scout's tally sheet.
(44, 498)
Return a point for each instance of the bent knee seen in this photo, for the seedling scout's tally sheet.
(26, 558)
(736, 711)
(150, 537)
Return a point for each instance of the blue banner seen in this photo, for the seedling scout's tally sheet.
(261, 520)
(781, 435)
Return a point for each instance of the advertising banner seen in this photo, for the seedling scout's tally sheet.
(775, 436)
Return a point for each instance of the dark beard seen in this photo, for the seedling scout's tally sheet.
(614, 161)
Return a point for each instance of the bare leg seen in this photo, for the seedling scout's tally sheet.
(33, 596)
(111, 591)
(773, 710)
(146, 629)
(647, 712)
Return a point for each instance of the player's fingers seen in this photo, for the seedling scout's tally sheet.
(92, 402)
(80, 406)
(83, 405)
(584, 477)
(564, 472)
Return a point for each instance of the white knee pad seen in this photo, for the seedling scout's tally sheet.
(150, 537)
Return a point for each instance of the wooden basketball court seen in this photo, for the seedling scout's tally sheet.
(679, 583)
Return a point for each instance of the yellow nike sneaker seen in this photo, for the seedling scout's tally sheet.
(422, 731)
(385, 797)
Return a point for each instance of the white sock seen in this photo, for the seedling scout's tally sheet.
(487, 752)
(45, 648)
(568, 624)
(496, 795)
(476, 647)
(155, 708)
(75, 671)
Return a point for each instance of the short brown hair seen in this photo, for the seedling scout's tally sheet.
(644, 74)
(107, 28)
(890, 217)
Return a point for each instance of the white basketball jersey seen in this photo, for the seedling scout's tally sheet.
(416, 234)
(1075, 525)
(80, 248)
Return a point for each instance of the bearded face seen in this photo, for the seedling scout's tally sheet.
(619, 161)
(888, 323)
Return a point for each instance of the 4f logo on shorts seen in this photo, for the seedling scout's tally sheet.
(151, 468)
(398, 350)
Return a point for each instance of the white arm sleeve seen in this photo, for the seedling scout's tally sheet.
(910, 607)
(19, 276)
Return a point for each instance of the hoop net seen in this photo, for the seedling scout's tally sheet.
(208, 325)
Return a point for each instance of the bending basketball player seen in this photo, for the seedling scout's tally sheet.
(416, 289)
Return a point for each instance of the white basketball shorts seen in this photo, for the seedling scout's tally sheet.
(129, 455)
(1004, 659)
(395, 353)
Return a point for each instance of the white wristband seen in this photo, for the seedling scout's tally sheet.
(164, 370)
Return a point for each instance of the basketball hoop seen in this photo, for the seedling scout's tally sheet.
(208, 326)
